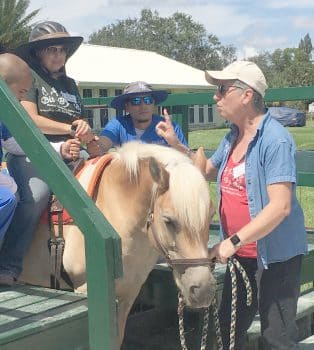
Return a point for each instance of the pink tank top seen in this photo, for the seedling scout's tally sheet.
(234, 208)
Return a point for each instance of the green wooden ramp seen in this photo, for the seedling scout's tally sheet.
(34, 318)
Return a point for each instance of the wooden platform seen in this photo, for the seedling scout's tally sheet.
(34, 318)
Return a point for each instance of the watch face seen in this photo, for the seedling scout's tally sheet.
(235, 241)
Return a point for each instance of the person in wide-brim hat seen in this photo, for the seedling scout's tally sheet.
(47, 34)
(138, 88)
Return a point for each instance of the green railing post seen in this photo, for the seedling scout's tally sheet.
(103, 246)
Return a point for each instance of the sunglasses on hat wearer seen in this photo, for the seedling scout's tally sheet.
(222, 89)
(52, 50)
(136, 101)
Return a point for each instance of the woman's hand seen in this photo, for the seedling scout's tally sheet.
(83, 131)
(222, 251)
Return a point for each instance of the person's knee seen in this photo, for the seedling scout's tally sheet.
(8, 199)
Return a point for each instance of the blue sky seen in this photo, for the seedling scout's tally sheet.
(251, 26)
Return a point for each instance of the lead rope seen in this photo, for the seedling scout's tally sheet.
(232, 264)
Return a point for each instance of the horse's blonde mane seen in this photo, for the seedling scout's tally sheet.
(189, 190)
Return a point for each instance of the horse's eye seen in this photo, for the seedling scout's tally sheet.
(172, 225)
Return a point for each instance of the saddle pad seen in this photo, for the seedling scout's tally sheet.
(88, 177)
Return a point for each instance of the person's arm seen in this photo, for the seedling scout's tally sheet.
(265, 222)
(79, 128)
(12, 146)
(99, 146)
(46, 125)
(211, 171)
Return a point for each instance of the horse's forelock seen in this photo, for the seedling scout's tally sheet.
(190, 196)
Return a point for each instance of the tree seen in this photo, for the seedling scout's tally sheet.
(177, 37)
(306, 45)
(288, 67)
(14, 24)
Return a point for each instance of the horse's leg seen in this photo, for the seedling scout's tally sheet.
(74, 257)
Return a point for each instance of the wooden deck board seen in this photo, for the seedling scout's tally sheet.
(29, 314)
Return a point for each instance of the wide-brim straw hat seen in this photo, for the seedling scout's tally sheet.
(47, 34)
(138, 88)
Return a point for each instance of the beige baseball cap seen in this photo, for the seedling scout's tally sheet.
(245, 71)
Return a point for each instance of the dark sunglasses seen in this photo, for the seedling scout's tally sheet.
(222, 89)
(52, 50)
(136, 101)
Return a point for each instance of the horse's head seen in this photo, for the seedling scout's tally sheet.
(179, 227)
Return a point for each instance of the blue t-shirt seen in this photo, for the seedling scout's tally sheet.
(270, 159)
(121, 130)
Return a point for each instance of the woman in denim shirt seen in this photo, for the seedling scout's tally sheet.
(262, 223)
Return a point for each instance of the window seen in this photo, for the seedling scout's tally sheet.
(103, 92)
(201, 114)
(90, 116)
(87, 93)
(191, 114)
(210, 114)
(117, 92)
(103, 116)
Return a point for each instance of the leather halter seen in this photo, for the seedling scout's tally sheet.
(173, 262)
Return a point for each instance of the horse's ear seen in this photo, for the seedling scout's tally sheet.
(159, 174)
(200, 160)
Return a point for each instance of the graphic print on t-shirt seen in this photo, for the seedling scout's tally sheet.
(233, 179)
(59, 102)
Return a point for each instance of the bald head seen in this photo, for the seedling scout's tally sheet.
(16, 73)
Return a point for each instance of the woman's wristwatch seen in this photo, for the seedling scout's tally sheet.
(72, 131)
(235, 240)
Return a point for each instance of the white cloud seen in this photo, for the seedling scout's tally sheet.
(217, 19)
(248, 25)
(305, 22)
(63, 10)
(278, 4)
(248, 52)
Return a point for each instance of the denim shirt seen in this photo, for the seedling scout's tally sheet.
(270, 159)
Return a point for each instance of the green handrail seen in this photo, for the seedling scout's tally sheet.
(103, 245)
(206, 98)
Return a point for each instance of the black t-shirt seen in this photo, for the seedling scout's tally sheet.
(56, 99)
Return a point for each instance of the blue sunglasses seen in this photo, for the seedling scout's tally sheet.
(136, 101)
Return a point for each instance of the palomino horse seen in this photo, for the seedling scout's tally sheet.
(158, 202)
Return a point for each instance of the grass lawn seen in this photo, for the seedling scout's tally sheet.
(304, 139)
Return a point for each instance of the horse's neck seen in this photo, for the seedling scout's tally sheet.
(126, 205)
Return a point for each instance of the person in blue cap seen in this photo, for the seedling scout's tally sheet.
(139, 122)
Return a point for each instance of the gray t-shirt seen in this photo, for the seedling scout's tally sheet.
(56, 99)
